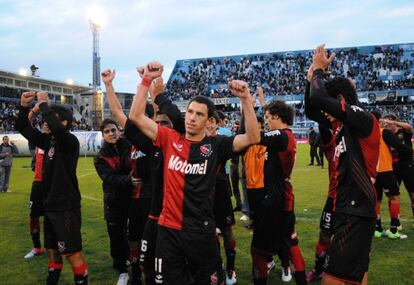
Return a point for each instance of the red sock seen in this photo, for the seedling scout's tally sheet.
(378, 209)
(297, 258)
(134, 255)
(259, 261)
(53, 265)
(80, 270)
(394, 210)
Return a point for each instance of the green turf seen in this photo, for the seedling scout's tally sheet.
(392, 261)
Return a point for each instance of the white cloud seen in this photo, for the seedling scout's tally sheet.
(56, 34)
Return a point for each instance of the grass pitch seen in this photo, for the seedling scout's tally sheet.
(392, 261)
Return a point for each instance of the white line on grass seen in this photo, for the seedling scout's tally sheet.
(90, 198)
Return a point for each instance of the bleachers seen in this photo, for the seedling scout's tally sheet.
(386, 67)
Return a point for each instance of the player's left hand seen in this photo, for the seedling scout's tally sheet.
(42, 97)
(239, 88)
(321, 58)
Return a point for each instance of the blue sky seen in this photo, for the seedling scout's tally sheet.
(55, 35)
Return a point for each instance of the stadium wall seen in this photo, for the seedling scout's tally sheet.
(90, 143)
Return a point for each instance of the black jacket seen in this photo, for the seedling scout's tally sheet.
(112, 164)
(60, 184)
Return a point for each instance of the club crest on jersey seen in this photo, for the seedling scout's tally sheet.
(51, 152)
(356, 108)
(137, 154)
(61, 246)
(178, 146)
(206, 150)
(340, 148)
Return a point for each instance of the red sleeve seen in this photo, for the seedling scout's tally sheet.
(164, 135)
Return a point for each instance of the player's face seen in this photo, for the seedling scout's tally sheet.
(110, 133)
(196, 118)
(6, 139)
(212, 126)
(271, 121)
(163, 120)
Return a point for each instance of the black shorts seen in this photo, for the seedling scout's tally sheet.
(138, 216)
(327, 215)
(223, 209)
(347, 258)
(386, 182)
(36, 200)
(274, 231)
(255, 198)
(148, 243)
(62, 231)
(179, 252)
(405, 173)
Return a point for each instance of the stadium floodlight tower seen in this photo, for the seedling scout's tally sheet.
(96, 59)
(96, 21)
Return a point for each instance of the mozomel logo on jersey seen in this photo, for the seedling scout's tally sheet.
(206, 150)
(175, 163)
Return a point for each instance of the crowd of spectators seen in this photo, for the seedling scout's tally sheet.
(384, 68)
(7, 115)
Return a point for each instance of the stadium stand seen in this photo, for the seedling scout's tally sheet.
(384, 77)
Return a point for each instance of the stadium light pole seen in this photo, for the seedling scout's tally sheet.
(96, 21)
(96, 59)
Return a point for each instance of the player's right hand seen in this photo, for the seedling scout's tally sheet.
(153, 70)
(26, 98)
(108, 76)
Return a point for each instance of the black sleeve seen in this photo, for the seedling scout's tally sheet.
(354, 116)
(408, 139)
(326, 135)
(66, 141)
(310, 111)
(109, 175)
(137, 138)
(242, 128)
(226, 148)
(391, 140)
(23, 126)
(172, 111)
(276, 140)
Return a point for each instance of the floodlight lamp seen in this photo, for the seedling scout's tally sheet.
(23, 72)
(69, 81)
(96, 16)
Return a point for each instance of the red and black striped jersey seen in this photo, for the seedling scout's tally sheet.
(356, 154)
(279, 161)
(189, 178)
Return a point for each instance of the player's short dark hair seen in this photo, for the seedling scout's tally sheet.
(342, 86)
(206, 101)
(63, 113)
(106, 122)
(149, 110)
(260, 120)
(391, 116)
(283, 110)
(377, 114)
(221, 115)
(216, 116)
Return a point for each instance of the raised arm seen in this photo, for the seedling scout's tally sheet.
(137, 113)
(252, 136)
(116, 108)
(67, 141)
(23, 124)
